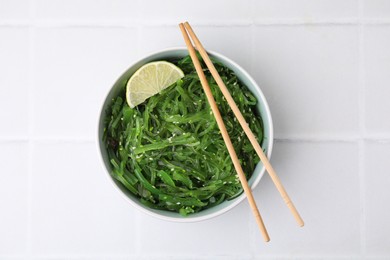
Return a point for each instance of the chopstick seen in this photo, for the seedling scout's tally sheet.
(245, 126)
(225, 134)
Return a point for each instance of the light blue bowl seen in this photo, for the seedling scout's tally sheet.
(262, 109)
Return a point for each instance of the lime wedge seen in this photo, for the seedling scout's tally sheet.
(149, 80)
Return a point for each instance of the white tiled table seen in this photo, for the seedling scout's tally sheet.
(323, 65)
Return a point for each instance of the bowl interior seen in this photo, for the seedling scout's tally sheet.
(262, 109)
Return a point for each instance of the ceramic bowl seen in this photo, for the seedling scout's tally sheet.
(262, 109)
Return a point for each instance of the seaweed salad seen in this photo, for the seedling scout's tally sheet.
(169, 152)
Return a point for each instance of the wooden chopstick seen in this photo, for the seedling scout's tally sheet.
(224, 133)
(244, 125)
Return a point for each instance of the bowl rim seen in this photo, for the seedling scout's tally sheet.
(240, 198)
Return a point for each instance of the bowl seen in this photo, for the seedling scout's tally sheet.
(262, 109)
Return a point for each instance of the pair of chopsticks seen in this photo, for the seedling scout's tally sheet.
(186, 29)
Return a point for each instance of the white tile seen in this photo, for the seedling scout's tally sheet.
(323, 182)
(203, 11)
(377, 183)
(235, 42)
(14, 62)
(85, 10)
(309, 76)
(160, 37)
(226, 235)
(305, 10)
(74, 69)
(14, 9)
(75, 209)
(377, 82)
(231, 41)
(13, 198)
(377, 9)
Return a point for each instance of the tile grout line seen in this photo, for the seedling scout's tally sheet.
(252, 234)
(292, 139)
(126, 24)
(30, 142)
(138, 221)
(30, 150)
(362, 125)
(30, 127)
(362, 196)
